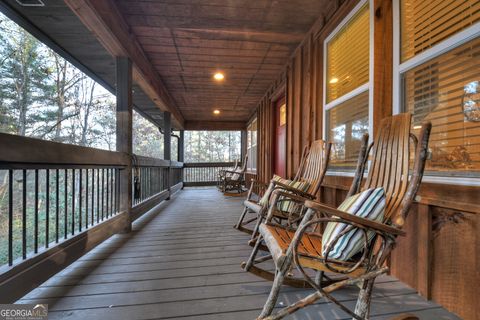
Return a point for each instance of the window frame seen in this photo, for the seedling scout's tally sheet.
(368, 86)
(400, 68)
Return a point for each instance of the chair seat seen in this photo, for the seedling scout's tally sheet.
(278, 239)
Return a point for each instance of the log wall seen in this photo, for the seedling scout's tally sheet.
(439, 257)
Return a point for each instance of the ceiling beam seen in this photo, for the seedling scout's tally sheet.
(105, 21)
(215, 125)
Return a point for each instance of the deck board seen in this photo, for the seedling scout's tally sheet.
(161, 271)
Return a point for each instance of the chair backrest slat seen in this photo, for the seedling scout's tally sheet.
(314, 165)
(389, 167)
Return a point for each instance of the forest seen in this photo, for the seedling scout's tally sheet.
(44, 96)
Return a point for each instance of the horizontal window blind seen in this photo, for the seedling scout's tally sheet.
(446, 91)
(426, 23)
(347, 123)
(348, 56)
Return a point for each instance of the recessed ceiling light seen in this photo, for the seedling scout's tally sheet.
(216, 111)
(333, 80)
(218, 76)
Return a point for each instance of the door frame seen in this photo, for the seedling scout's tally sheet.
(278, 94)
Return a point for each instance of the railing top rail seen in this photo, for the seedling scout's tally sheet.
(18, 151)
(141, 161)
(208, 164)
(176, 164)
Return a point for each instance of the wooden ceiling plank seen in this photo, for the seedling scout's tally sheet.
(104, 20)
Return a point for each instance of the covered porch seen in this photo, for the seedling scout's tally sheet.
(118, 118)
(182, 261)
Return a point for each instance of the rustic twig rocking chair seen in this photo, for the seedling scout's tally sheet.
(222, 174)
(312, 170)
(233, 181)
(389, 169)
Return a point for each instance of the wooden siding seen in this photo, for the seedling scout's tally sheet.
(440, 256)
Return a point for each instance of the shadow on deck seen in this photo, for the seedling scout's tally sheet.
(182, 261)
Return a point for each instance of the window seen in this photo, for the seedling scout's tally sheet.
(438, 73)
(347, 84)
(252, 145)
(347, 123)
(212, 146)
(426, 23)
(44, 96)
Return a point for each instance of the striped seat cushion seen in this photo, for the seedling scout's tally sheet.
(289, 206)
(369, 204)
(264, 200)
(235, 176)
(283, 204)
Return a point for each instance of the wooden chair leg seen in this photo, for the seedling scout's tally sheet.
(242, 216)
(273, 296)
(257, 227)
(246, 266)
(362, 308)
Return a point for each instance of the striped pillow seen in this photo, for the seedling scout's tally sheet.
(264, 200)
(235, 176)
(369, 204)
(292, 206)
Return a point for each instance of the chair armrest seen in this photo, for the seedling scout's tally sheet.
(279, 185)
(329, 211)
(275, 196)
(259, 183)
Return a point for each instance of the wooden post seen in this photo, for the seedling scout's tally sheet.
(124, 133)
(167, 138)
(243, 142)
(181, 151)
(167, 145)
(181, 146)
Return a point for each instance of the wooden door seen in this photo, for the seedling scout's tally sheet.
(280, 136)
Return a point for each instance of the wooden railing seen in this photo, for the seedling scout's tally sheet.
(58, 201)
(203, 173)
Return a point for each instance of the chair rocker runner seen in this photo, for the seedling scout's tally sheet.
(312, 170)
(233, 181)
(303, 248)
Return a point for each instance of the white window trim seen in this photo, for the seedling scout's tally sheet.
(400, 68)
(356, 91)
(250, 169)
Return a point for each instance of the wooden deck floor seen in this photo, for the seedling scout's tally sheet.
(183, 262)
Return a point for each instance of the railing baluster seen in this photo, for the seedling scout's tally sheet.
(80, 201)
(103, 192)
(47, 208)
(86, 198)
(108, 190)
(57, 203)
(92, 222)
(65, 194)
(73, 202)
(98, 195)
(24, 214)
(10, 217)
(35, 227)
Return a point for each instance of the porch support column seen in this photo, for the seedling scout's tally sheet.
(181, 146)
(167, 137)
(167, 146)
(243, 142)
(124, 133)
